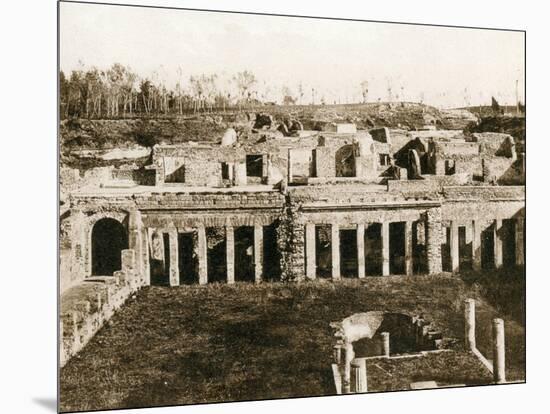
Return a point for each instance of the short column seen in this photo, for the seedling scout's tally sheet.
(174, 266)
(520, 253)
(476, 245)
(202, 250)
(335, 244)
(385, 248)
(385, 343)
(230, 253)
(358, 377)
(258, 252)
(497, 228)
(470, 324)
(454, 247)
(361, 250)
(499, 370)
(408, 249)
(310, 251)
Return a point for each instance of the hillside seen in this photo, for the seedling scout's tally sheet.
(82, 139)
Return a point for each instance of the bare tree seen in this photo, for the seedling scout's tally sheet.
(365, 90)
(244, 81)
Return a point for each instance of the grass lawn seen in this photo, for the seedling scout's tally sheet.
(194, 344)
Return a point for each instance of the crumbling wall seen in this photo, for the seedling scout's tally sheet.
(79, 322)
(291, 243)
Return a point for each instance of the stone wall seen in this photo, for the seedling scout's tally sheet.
(80, 321)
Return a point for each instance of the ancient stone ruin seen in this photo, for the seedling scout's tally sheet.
(337, 203)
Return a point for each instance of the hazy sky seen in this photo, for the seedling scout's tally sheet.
(448, 66)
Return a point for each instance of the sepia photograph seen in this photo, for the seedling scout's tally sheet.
(259, 206)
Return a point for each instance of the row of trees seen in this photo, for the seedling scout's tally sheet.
(119, 92)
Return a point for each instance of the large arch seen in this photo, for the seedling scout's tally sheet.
(345, 161)
(109, 238)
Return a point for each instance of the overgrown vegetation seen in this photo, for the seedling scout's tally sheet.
(512, 125)
(222, 342)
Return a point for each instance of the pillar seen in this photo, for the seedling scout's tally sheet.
(230, 253)
(202, 250)
(311, 267)
(361, 250)
(359, 375)
(348, 357)
(134, 239)
(455, 258)
(239, 174)
(385, 343)
(258, 252)
(174, 266)
(497, 228)
(146, 269)
(337, 349)
(289, 167)
(335, 245)
(385, 248)
(408, 248)
(476, 245)
(520, 253)
(230, 167)
(470, 324)
(499, 374)
(433, 240)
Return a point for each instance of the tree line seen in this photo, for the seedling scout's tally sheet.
(119, 92)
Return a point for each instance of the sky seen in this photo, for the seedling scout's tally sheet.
(441, 66)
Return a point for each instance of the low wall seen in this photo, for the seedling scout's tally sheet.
(84, 319)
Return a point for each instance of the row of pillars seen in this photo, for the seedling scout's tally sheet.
(476, 244)
(203, 254)
(499, 367)
(311, 267)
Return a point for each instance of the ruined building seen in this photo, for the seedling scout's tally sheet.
(320, 204)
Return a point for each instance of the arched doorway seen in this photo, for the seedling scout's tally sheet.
(109, 238)
(345, 161)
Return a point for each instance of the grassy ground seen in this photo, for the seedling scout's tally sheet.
(198, 344)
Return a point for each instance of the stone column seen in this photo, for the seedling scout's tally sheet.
(230, 167)
(258, 252)
(311, 270)
(408, 248)
(289, 166)
(146, 270)
(203, 252)
(385, 248)
(497, 228)
(499, 371)
(335, 245)
(385, 343)
(476, 245)
(455, 258)
(230, 253)
(433, 240)
(239, 173)
(359, 375)
(134, 239)
(520, 254)
(470, 324)
(361, 250)
(337, 350)
(174, 265)
(349, 355)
